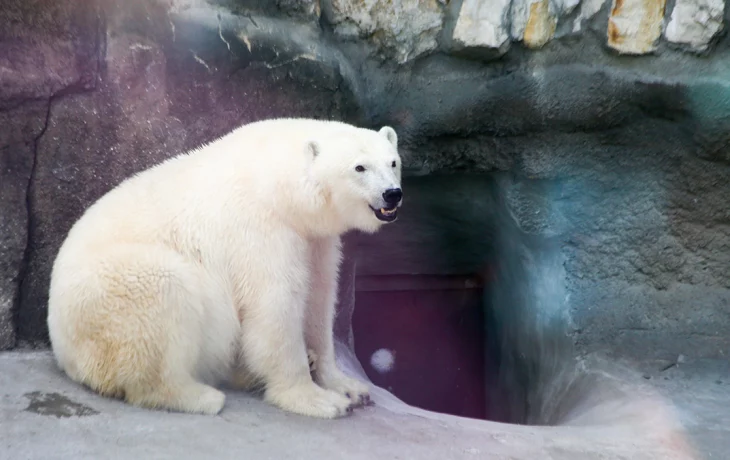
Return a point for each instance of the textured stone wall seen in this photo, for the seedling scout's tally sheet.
(408, 29)
(611, 120)
(602, 127)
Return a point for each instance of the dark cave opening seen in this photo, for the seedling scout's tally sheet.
(441, 319)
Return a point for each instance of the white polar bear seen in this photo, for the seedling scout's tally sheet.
(221, 265)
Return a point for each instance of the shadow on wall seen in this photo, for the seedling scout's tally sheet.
(529, 320)
(541, 377)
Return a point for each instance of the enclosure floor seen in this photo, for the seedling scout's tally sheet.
(35, 401)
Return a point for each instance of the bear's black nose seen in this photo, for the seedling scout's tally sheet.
(392, 196)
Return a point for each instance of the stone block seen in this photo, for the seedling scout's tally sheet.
(406, 29)
(635, 25)
(483, 24)
(695, 23)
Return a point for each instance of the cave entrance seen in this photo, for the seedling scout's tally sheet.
(421, 323)
(423, 339)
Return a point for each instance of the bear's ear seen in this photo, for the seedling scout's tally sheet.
(389, 134)
(313, 149)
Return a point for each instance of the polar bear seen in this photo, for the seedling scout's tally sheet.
(220, 266)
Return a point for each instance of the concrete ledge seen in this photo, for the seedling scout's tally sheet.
(45, 415)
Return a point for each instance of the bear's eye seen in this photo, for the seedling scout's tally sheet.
(359, 168)
(393, 164)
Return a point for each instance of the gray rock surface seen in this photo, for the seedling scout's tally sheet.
(44, 415)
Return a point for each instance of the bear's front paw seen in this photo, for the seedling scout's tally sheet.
(309, 399)
(356, 391)
(211, 401)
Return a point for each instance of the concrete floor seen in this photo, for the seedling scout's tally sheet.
(43, 415)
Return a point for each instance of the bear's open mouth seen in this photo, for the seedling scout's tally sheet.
(386, 214)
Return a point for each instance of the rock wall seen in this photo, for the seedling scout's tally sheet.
(603, 125)
(146, 81)
(409, 29)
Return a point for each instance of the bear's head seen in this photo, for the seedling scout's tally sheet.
(359, 173)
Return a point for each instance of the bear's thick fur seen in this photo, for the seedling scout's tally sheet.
(221, 265)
